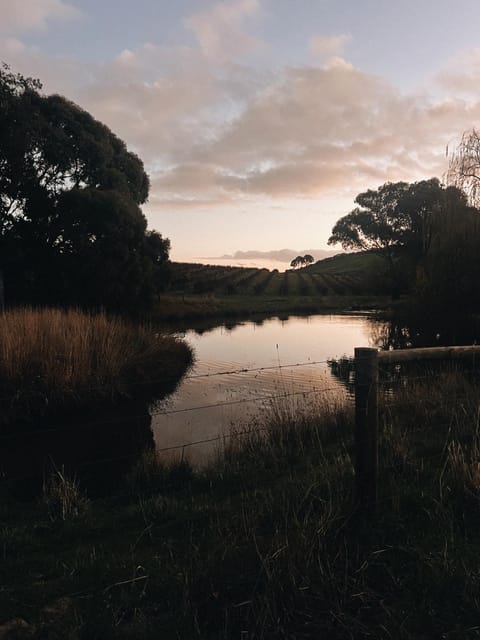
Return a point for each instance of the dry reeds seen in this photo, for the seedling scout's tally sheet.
(70, 357)
(62, 497)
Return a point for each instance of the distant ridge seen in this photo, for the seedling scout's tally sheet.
(280, 255)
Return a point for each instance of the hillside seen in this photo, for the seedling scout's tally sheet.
(354, 264)
(343, 274)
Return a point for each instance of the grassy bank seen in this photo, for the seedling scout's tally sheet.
(54, 360)
(342, 283)
(179, 307)
(264, 543)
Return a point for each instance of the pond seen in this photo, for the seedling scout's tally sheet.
(241, 370)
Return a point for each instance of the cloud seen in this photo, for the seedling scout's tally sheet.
(309, 132)
(306, 107)
(329, 49)
(280, 255)
(166, 101)
(214, 131)
(18, 16)
(12, 47)
(219, 32)
(61, 75)
(462, 74)
(317, 131)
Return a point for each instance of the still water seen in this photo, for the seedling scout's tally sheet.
(241, 370)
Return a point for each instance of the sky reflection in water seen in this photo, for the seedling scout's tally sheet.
(252, 345)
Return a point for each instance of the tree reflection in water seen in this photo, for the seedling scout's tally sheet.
(406, 334)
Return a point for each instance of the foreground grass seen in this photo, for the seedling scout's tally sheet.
(52, 359)
(264, 543)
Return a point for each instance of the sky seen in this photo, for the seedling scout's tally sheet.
(259, 121)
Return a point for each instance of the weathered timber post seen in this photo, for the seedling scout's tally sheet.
(366, 428)
(2, 292)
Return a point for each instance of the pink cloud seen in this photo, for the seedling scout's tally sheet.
(31, 15)
(219, 31)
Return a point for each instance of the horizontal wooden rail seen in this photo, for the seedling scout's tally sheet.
(430, 353)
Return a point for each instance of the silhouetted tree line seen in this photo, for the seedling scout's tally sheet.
(71, 227)
(429, 237)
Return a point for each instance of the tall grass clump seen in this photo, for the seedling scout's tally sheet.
(290, 431)
(51, 358)
(62, 497)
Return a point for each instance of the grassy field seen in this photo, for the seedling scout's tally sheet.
(264, 543)
(56, 360)
(350, 274)
(344, 282)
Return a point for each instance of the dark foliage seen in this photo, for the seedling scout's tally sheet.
(71, 227)
(417, 228)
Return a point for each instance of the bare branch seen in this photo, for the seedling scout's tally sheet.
(464, 166)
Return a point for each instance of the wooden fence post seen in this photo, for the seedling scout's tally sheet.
(366, 428)
(2, 292)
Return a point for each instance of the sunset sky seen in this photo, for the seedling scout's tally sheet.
(260, 120)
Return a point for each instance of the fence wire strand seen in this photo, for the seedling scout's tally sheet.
(162, 412)
(195, 376)
(391, 382)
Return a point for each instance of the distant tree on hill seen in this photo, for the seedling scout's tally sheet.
(71, 227)
(296, 262)
(302, 261)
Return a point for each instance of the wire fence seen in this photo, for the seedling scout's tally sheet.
(265, 398)
(166, 379)
(130, 418)
(391, 387)
(385, 385)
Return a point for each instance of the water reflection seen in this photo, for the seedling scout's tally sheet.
(241, 369)
(206, 325)
(406, 331)
(343, 370)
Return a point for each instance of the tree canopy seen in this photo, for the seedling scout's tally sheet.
(302, 261)
(400, 221)
(464, 166)
(397, 214)
(71, 227)
(448, 279)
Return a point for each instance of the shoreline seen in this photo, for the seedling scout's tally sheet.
(173, 308)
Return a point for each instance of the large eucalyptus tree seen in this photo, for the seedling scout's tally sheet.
(71, 227)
